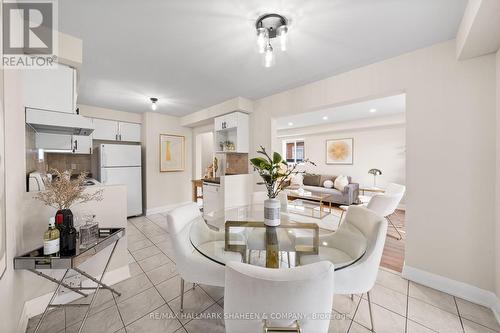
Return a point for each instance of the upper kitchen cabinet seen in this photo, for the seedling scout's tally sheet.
(64, 143)
(129, 132)
(231, 133)
(112, 130)
(51, 89)
(105, 129)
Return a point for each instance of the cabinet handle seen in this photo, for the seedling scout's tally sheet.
(116, 137)
(75, 147)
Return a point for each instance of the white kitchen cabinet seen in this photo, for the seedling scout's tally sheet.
(213, 198)
(129, 132)
(105, 129)
(51, 89)
(232, 127)
(82, 144)
(57, 142)
(64, 143)
(112, 130)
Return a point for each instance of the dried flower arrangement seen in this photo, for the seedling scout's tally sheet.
(63, 192)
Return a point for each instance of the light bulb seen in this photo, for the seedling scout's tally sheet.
(282, 32)
(268, 56)
(154, 106)
(262, 39)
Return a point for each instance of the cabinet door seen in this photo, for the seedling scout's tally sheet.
(218, 123)
(129, 132)
(82, 144)
(50, 89)
(231, 120)
(105, 129)
(54, 141)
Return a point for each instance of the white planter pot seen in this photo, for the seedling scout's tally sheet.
(272, 212)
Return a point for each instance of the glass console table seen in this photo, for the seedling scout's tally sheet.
(35, 260)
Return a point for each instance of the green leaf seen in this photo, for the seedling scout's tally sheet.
(277, 158)
(260, 163)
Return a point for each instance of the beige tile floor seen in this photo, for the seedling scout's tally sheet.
(150, 299)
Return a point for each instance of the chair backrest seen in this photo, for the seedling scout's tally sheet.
(361, 276)
(385, 204)
(302, 291)
(179, 221)
(258, 198)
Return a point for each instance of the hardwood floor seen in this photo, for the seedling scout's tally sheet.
(394, 250)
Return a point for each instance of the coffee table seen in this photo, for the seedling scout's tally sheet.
(302, 201)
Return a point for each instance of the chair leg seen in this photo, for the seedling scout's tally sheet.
(352, 297)
(370, 309)
(288, 257)
(249, 256)
(395, 228)
(341, 215)
(182, 295)
(194, 285)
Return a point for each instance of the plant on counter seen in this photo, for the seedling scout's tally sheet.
(275, 171)
(63, 192)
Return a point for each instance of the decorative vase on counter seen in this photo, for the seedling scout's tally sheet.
(272, 212)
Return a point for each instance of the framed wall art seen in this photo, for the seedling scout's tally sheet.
(340, 151)
(172, 152)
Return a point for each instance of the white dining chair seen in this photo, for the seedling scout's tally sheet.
(387, 203)
(305, 293)
(256, 237)
(191, 265)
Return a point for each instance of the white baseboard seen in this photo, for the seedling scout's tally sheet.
(164, 209)
(36, 306)
(455, 288)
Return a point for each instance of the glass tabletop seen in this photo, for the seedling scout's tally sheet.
(240, 234)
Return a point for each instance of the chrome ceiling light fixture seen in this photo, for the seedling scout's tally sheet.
(270, 26)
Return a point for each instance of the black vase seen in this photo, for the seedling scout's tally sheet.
(67, 234)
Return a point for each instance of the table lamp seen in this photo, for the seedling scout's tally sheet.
(375, 173)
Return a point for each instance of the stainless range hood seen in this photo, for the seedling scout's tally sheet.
(53, 122)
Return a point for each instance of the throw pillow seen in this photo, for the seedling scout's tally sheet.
(341, 182)
(296, 180)
(328, 184)
(312, 180)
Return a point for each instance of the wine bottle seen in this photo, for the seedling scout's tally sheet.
(51, 240)
(68, 237)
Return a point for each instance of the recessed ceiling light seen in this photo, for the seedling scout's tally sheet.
(154, 100)
(373, 110)
(290, 124)
(325, 117)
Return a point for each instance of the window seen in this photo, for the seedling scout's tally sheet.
(295, 151)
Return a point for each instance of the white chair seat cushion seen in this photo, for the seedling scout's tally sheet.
(257, 240)
(333, 255)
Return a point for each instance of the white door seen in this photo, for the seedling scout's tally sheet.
(82, 144)
(50, 89)
(129, 132)
(105, 129)
(132, 179)
(120, 155)
(54, 141)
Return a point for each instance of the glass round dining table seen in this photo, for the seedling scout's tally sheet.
(240, 234)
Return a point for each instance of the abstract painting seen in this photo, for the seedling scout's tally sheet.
(339, 151)
(172, 153)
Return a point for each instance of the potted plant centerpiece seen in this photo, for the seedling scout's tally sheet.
(275, 172)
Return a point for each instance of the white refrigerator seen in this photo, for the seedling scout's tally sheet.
(121, 165)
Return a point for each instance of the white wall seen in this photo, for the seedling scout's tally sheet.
(450, 138)
(164, 189)
(380, 147)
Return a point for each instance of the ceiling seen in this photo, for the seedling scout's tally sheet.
(374, 108)
(197, 53)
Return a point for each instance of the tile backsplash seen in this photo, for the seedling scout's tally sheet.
(62, 162)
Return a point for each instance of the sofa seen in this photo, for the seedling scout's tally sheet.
(314, 183)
